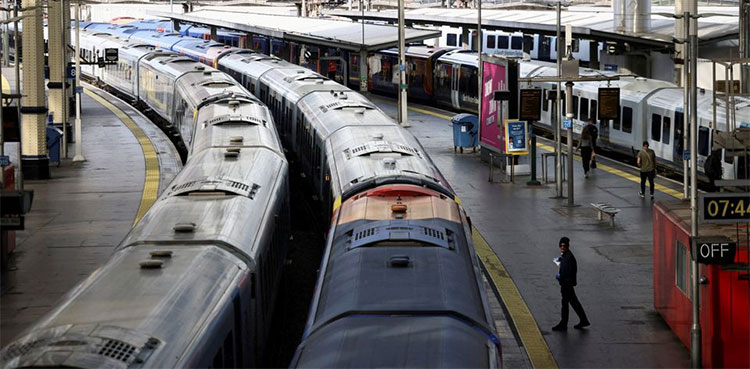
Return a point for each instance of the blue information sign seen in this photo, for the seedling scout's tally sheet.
(518, 134)
(686, 154)
(567, 123)
(4, 160)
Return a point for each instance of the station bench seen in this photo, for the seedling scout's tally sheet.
(606, 209)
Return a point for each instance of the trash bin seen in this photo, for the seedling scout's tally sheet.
(465, 127)
(54, 138)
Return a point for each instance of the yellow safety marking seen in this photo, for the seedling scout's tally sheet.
(337, 203)
(620, 173)
(430, 112)
(533, 342)
(458, 201)
(6, 85)
(151, 184)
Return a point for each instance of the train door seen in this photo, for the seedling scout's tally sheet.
(659, 132)
(543, 45)
(455, 80)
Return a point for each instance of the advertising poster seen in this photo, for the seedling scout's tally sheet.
(493, 113)
(518, 138)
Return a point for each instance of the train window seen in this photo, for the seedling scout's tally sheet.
(451, 39)
(575, 107)
(616, 123)
(729, 159)
(502, 42)
(703, 144)
(584, 109)
(627, 119)
(680, 266)
(491, 42)
(656, 127)
(666, 129)
(545, 102)
(516, 43)
(593, 112)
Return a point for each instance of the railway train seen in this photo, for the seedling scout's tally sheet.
(651, 110)
(538, 47)
(394, 217)
(193, 283)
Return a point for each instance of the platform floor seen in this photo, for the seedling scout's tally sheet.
(86, 208)
(522, 225)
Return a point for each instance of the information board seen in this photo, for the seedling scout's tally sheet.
(714, 250)
(531, 104)
(517, 133)
(724, 207)
(609, 103)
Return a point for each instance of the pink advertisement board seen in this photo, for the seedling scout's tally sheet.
(493, 113)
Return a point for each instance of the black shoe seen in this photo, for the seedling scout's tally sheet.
(560, 327)
(582, 325)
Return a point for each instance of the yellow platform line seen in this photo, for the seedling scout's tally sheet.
(533, 342)
(620, 173)
(151, 184)
(6, 85)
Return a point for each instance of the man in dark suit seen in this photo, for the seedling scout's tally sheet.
(567, 279)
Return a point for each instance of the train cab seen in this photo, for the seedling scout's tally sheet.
(411, 249)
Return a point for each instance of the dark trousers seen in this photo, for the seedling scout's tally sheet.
(569, 297)
(586, 158)
(650, 176)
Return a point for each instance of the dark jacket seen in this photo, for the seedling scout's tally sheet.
(568, 269)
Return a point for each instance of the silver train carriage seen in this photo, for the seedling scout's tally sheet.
(344, 142)
(193, 283)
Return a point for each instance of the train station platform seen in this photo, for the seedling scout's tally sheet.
(86, 208)
(517, 228)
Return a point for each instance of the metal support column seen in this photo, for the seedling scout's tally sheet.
(78, 88)
(19, 102)
(569, 115)
(34, 109)
(532, 154)
(57, 64)
(6, 15)
(558, 111)
(480, 74)
(403, 119)
(686, 102)
(695, 330)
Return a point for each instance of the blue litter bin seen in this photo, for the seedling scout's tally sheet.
(54, 138)
(465, 127)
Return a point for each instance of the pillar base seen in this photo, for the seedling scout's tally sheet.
(35, 167)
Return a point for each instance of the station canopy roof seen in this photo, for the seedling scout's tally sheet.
(340, 33)
(595, 23)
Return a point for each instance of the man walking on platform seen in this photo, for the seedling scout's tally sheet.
(647, 163)
(587, 145)
(567, 279)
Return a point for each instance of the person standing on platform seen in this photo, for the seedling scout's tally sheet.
(594, 132)
(567, 279)
(647, 163)
(332, 68)
(713, 169)
(587, 145)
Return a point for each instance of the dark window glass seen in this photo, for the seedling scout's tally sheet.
(545, 102)
(703, 144)
(502, 42)
(656, 127)
(516, 43)
(490, 42)
(451, 39)
(575, 107)
(584, 109)
(593, 112)
(666, 130)
(616, 123)
(627, 119)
